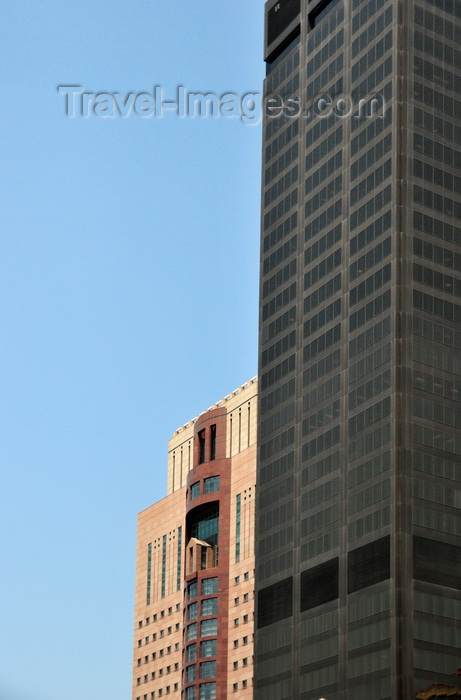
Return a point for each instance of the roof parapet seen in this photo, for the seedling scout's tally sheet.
(218, 404)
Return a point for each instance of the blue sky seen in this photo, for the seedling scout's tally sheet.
(129, 287)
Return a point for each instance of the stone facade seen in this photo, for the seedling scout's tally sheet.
(194, 601)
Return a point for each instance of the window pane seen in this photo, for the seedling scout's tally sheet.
(205, 524)
(209, 606)
(192, 590)
(192, 611)
(208, 691)
(211, 484)
(208, 648)
(208, 669)
(192, 631)
(210, 585)
(209, 627)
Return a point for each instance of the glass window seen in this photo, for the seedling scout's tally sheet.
(211, 484)
(210, 585)
(191, 673)
(191, 652)
(209, 627)
(203, 558)
(213, 444)
(192, 611)
(192, 590)
(209, 606)
(192, 631)
(205, 523)
(208, 669)
(201, 438)
(208, 691)
(208, 648)
(190, 693)
(195, 490)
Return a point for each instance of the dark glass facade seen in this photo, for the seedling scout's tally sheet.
(358, 527)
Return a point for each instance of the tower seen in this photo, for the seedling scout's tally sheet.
(358, 527)
(194, 602)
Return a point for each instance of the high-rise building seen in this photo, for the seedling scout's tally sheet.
(358, 525)
(194, 601)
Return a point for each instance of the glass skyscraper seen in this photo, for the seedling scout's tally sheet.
(358, 523)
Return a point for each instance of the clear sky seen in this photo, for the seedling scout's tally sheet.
(129, 287)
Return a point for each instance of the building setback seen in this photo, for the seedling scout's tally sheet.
(194, 600)
(358, 526)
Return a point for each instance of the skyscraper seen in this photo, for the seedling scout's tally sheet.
(194, 603)
(358, 527)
